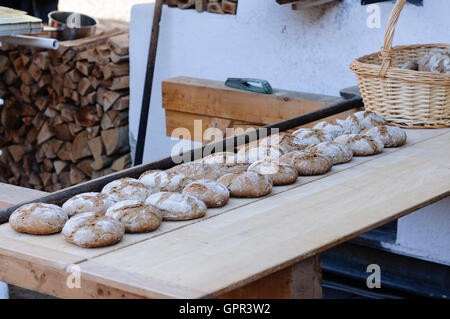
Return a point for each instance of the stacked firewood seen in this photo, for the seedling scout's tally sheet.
(65, 113)
(214, 6)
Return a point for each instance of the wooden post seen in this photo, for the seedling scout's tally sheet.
(302, 280)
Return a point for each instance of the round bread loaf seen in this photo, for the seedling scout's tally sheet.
(38, 219)
(176, 206)
(350, 125)
(391, 136)
(136, 216)
(91, 230)
(361, 145)
(287, 141)
(228, 162)
(212, 193)
(339, 153)
(247, 184)
(127, 188)
(331, 128)
(197, 170)
(368, 119)
(309, 136)
(254, 154)
(89, 202)
(279, 173)
(162, 181)
(307, 163)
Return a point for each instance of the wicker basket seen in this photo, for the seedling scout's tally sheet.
(406, 98)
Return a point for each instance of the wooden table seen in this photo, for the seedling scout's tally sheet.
(267, 247)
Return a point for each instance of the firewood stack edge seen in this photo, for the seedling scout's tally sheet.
(65, 114)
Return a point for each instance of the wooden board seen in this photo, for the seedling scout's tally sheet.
(249, 238)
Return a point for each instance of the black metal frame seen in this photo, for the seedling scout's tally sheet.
(61, 196)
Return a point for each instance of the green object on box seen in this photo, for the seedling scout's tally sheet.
(244, 84)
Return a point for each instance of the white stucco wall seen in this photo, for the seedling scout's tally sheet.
(306, 50)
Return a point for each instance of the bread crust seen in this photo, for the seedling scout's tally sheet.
(339, 153)
(279, 173)
(197, 170)
(391, 136)
(91, 230)
(226, 162)
(361, 145)
(162, 181)
(89, 202)
(307, 163)
(212, 193)
(136, 216)
(175, 206)
(368, 119)
(127, 188)
(247, 184)
(38, 219)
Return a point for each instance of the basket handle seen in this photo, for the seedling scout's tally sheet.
(386, 51)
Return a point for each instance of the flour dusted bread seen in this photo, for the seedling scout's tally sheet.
(279, 173)
(307, 163)
(350, 125)
(368, 119)
(38, 219)
(361, 145)
(226, 162)
(331, 128)
(311, 136)
(176, 206)
(89, 202)
(339, 153)
(287, 141)
(127, 188)
(253, 154)
(197, 170)
(162, 181)
(391, 136)
(136, 216)
(212, 193)
(91, 230)
(247, 184)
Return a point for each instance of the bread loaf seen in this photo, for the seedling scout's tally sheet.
(212, 193)
(176, 206)
(127, 188)
(391, 136)
(197, 170)
(350, 125)
(279, 173)
(287, 141)
(339, 153)
(361, 145)
(311, 136)
(247, 184)
(331, 128)
(91, 230)
(89, 202)
(226, 162)
(162, 181)
(136, 216)
(307, 163)
(368, 119)
(38, 218)
(254, 154)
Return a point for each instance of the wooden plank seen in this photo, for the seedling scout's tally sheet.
(271, 234)
(213, 98)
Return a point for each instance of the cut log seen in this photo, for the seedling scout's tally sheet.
(120, 83)
(17, 152)
(4, 63)
(116, 140)
(93, 131)
(86, 116)
(201, 5)
(120, 44)
(215, 8)
(76, 176)
(45, 133)
(62, 132)
(84, 67)
(46, 178)
(122, 103)
(85, 166)
(80, 147)
(115, 70)
(115, 58)
(121, 163)
(60, 166)
(35, 72)
(108, 119)
(41, 59)
(65, 152)
(109, 97)
(84, 86)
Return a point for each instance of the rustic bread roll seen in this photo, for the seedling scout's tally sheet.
(287, 141)
(311, 136)
(197, 170)
(212, 193)
(350, 125)
(339, 153)
(127, 188)
(368, 119)
(228, 162)
(91, 230)
(391, 136)
(176, 206)
(307, 163)
(162, 181)
(89, 202)
(136, 216)
(254, 154)
(38, 219)
(361, 145)
(331, 128)
(247, 184)
(279, 173)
